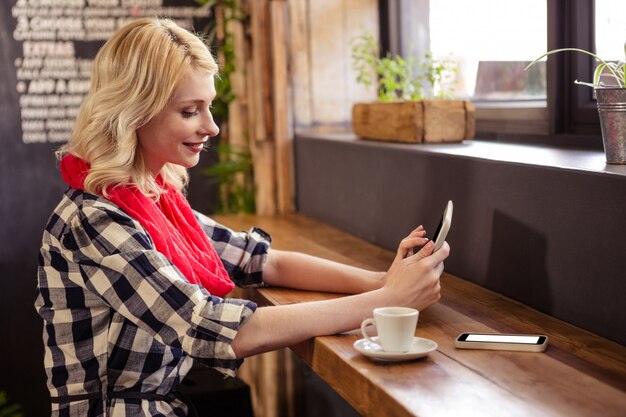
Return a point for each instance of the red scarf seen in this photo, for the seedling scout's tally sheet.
(170, 223)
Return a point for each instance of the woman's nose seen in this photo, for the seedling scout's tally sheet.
(209, 128)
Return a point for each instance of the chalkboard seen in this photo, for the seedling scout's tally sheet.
(46, 51)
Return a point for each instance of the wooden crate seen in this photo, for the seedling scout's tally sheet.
(415, 121)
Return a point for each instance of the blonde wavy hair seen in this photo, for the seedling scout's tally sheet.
(134, 75)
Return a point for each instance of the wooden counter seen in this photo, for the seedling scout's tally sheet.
(580, 374)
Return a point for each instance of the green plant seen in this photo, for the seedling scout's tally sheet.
(235, 178)
(397, 78)
(233, 173)
(230, 11)
(440, 73)
(9, 410)
(615, 69)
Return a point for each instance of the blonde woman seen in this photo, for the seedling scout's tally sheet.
(132, 281)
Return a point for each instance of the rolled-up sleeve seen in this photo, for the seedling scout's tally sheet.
(243, 253)
(117, 261)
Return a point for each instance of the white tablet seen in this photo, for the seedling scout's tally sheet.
(444, 226)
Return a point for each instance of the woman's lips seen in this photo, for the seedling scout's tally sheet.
(195, 147)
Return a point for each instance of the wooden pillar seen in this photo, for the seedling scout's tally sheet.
(299, 63)
(260, 109)
(237, 109)
(283, 137)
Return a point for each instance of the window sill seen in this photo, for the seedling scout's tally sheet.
(578, 160)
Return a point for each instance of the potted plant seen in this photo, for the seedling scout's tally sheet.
(413, 103)
(609, 82)
(8, 409)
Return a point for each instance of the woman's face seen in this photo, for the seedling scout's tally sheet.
(180, 131)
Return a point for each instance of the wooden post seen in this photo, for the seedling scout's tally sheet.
(326, 32)
(260, 69)
(299, 62)
(259, 83)
(264, 177)
(283, 141)
(237, 115)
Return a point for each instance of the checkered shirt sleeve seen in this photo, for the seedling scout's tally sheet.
(243, 254)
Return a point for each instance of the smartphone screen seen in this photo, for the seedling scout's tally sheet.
(438, 230)
(503, 338)
(442, 229)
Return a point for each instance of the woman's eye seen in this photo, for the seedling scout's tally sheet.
(189, 113)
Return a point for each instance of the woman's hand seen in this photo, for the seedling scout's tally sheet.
(413, 280)
(407, 246)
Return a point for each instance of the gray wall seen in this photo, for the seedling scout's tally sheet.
(552, 238)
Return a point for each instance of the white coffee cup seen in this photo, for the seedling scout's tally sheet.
(395, 326)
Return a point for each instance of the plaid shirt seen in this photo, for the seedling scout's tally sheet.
(120, 318)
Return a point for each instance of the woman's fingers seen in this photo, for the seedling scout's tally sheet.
(426, 250)
(416, 238)
(419, 228)
(442, 253)
(438, 257)
(426, 254)
(408, 243)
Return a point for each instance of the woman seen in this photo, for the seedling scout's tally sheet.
(132, 281)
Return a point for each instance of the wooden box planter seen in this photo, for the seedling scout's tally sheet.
(415, 121)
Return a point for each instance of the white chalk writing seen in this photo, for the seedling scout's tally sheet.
(53, 77)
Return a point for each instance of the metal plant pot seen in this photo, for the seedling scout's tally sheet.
(612, 110)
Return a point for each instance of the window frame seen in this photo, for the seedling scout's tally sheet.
(569, 116)
(574, 27)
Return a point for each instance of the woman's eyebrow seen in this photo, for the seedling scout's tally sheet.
(193, 101)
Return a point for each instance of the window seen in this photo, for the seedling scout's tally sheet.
(609, 22)
(492, 40)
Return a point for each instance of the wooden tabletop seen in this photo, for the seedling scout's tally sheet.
(580, 374)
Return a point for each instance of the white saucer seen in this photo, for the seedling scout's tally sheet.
(421, 347)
